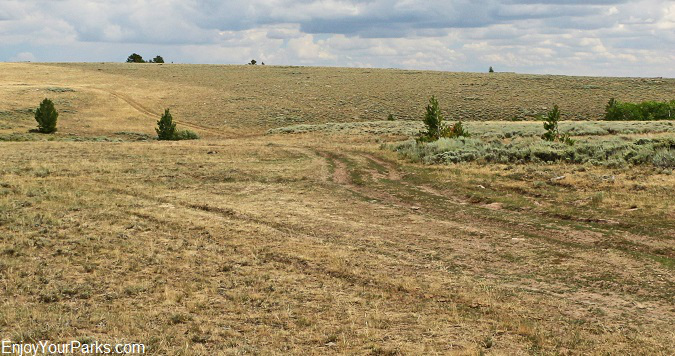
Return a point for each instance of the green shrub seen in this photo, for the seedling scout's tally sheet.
(645, 111)
(46, 116)
(458, 130)
(185, 135)
(166, 128)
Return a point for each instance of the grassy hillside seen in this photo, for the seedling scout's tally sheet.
(290, 227)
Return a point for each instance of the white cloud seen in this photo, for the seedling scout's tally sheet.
(23, 57)
(605, 37)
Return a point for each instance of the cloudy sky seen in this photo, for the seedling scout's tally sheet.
(584, 37)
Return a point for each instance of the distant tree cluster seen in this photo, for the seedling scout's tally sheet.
(254, 62)
(137, 58)
(644, 111)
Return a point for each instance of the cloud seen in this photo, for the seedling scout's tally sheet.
(23, 57)
(570, 36)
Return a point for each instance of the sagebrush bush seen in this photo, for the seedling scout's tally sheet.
(46, 117)
(612, 152)
(185, 135)
(665, 158)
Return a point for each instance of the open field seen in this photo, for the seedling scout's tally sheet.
(291, 228)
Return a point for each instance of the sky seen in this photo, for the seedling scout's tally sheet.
(574, 37)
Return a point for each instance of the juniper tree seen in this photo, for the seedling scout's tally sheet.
(166, 128)
(46, 116)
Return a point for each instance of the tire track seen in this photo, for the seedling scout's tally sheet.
(150, 114)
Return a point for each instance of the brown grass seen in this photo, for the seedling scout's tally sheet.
(320, 244)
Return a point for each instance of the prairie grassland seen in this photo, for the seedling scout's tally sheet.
(319, 242)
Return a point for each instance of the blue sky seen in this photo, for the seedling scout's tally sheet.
(593, 37)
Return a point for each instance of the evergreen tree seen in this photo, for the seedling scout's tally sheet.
(433, 119)
(166, 128)
(46, 117)
(551, 126)
(253, 62)
(158, 59)
(491, 70)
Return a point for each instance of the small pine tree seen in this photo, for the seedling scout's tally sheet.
(166, 128)
(253, 62)
(551, 126)
(491, 70)
(158, 59)
(46, 116)
(433, 120)
(135, 58)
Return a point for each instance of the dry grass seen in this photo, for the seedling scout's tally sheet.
(314, 243)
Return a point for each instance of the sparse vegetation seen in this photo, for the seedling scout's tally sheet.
(46, 117)
(644, 111)
(323, 243)
(487, 129)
